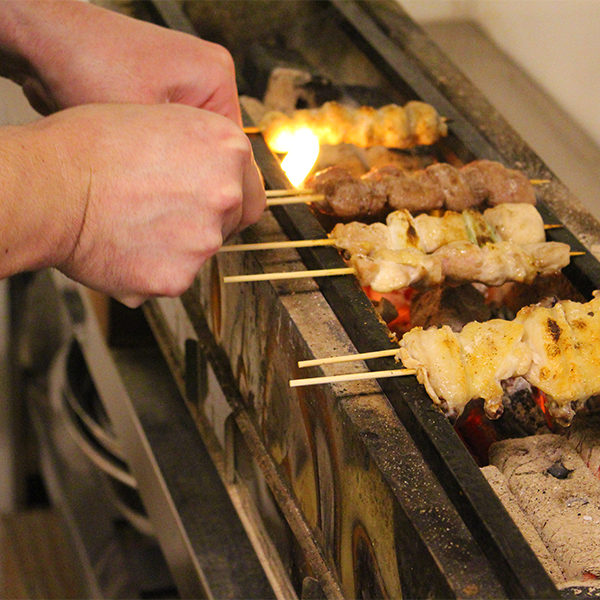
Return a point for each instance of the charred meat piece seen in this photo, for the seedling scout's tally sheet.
(492, 181)
(455, 189)
(346, 196)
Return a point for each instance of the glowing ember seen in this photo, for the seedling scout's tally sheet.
(302, 149)
(540, 399)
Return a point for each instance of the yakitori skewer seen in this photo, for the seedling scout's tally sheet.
(553, 346)
(351, 377)
(330, 360)
(278, 245)
(518, 223)
(440, 185)
(288, 275)
(299, 194)
(286, 244)
(459, 262)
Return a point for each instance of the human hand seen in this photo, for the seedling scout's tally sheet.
(148, 193)
(66, 53)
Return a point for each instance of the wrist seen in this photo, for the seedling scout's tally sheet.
(42, 199)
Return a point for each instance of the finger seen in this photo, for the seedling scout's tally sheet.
(38, 97)
(131, 300)
(255, 199)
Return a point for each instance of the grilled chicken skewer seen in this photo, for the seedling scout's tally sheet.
(459, 262)
(518, 223)
(438, 186)
(392, 126)
(554, 347)
(493, 264)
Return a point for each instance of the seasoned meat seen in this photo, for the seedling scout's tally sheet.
(458, 367)
(565, 340)
(437, 186)
(402, 231)
(358, 238)
(346, 196)
(494, 264)
(492, 181)
(456, 192)
(518, 223)
(554, 348)
(389, 270)
(435, 232)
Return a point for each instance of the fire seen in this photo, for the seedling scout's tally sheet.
(302, 147)
(540, 399)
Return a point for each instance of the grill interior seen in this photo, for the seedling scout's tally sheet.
(422, 519)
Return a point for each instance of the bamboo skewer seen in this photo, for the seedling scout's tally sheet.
(347, 358)
(304, 274)
(303, 198)
(278, 245)
(351, 377)
(288, 275)
(283, 193)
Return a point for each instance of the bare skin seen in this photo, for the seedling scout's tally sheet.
(123, 189)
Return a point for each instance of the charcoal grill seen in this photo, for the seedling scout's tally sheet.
(361, 489)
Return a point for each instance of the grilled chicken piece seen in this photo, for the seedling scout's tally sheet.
(414, 191)
(565, 340)
(518, 223)
(346, 196)
(358, 238)
(493, 352)
(435, 232)
(495, 264)
(402, 231)
(388, 270)
(458, 367)
(436, 356)
(492, 181)
(455, 188)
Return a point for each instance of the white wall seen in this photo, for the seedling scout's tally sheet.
(557, 42)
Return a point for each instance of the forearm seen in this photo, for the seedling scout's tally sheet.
(26, 34)
(35, 207)
(68, 52)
